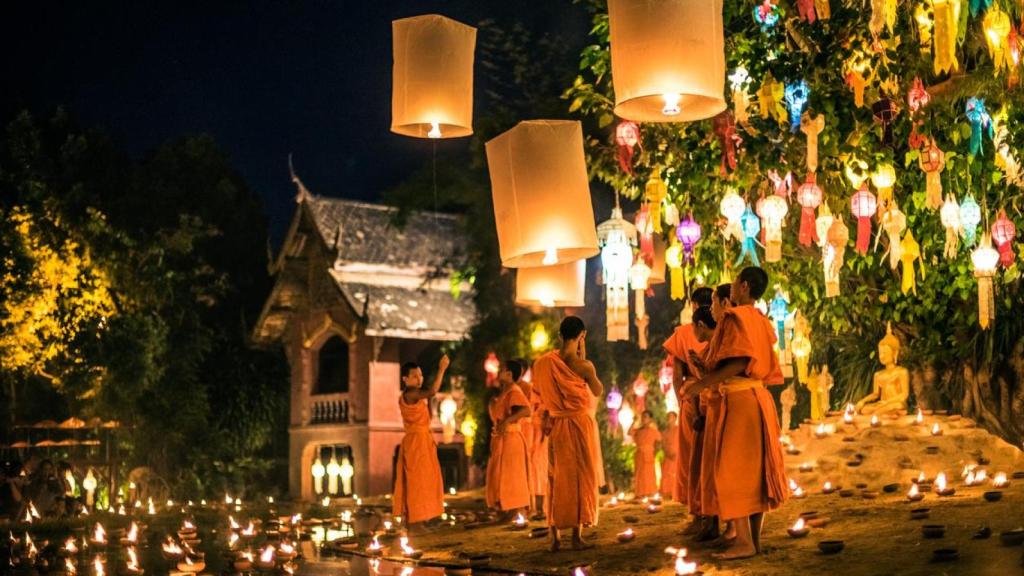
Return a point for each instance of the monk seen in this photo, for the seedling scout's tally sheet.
(599, 477)
(646, 436)
(705, 525)
(419, 488)
(538, 450)
(749, 474)
(670, 458)
(566, 382)
(508, 471)
(710, 407)
(679, 346)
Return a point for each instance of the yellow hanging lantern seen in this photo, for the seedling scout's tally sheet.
(932, 161)
(668, 59)
(883, 14)
(997, 30)
(773, 211)
(561, 285)
(639, 274)
(812, 127)
(911, 251)
(655, 192)
(468, 430)
(856, 171)
(770, 100)
(894, 222)
(541, 194)
(985, 259)
(674, 260)
(924, 26)
(800, 346)
(823, 9)
(950, 215)
(834, 255)
(432, 90)
(946, 17)
(884, 178)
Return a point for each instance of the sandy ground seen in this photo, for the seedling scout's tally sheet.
(879, 534)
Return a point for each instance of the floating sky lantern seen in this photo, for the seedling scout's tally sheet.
(617, 238)
(432, 89)
(863, 205)
(1003, 233)
(985, 259)
(667, 59)
(560, 285)
(808, 195)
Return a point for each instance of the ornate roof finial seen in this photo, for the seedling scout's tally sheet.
(303, 194)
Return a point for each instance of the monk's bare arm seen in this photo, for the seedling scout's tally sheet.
(412, 395)
(679, 373)
(729, 368)
(517, 414)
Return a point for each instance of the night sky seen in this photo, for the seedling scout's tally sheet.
(264, 78)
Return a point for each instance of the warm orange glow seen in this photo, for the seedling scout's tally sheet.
(560, 286)
(798, 525)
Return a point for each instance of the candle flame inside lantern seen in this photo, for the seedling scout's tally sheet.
(435, 130)
(671, 107)
(798, 525)
(550, 256)
(267, 555)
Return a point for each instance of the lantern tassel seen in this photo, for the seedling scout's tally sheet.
(1006, 255)
(863, 235)
(748, 250)
(808, 231)
(933, 190)
(952, 242)
(986, 302)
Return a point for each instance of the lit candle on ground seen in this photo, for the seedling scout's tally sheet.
(875, 422)
(652, 508)
(921, 478)
(820, 432)
(452, 491)
(941, 488)
(266, 559)
(807, 466)
(799, 529)
(682, 566)
(1000, 481)
(374, 549)
(919, 419)
(407, 550)
(627, 535)
(520, 521)
(936, 431)
(99, 536)
(827, 488)
(848, 414)
(914, 494)
(613, 502)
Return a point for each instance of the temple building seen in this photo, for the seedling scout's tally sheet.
(354, 297)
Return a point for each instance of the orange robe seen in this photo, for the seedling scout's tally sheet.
(670, 463)
(508, 471)
(419, 488)
(538, 446)
(679, 345)
(749, 474)
(595, 401)
(572, 491)
(645, 482)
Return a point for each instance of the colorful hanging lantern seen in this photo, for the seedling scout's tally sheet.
(774, 212)
(796, 95)
(801, 346)
(950, 216)
(766, 14)
(822, 223)
(627, 137)
(932, 160)
(732, 207)
(541, 194)
(639, 275)
(783, 185)
(778, 310)
(884, 178)
(894, 222)
(981, 123)
(561, 285)
(985, 259)
(645, 231)
(626, 418)
(688, 233)
(809, 197)
(640, 388)
(917, 96)
(666, 374)
(725, 128)
(863, 205)
(769, 99)
(491, 367)
(997, 31)
(910, 251)
(674, 260)
(822, 8)
(835, 255)
(614, 403)
(858, 74)
(812, 127)
(970, 217)
(751, 226)
(1003, 233)
(923, 18)
(884, 112)
(806, 10)
(655, 193)
(667, 59)
(432, 87)
(946, 17)
(883, 15)
(856, 171)
(739, 80)
(617, 238)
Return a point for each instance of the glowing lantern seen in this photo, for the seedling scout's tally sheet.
(89, 484)
(617, 238)
(863, 205)
(550, 286)
(655, 192)
(668, 59)
(796, 95)
(980, 121)
(613, 402)
(739, 80)
(432, 91)
(627, 136)
(640, 388)
(732, 207)
(319, 471)
(883, 15)
(932, 161)
(856, 171)
(894, 222)
(778, 310)
(665, 374)
(446, 413)
(333, 472)
(541, 194)
(997, 30)
(491, 367)
(910, 251)
(884, 177)
(1003, 233)
(671, 402)
(950, 216)
(970, 217)
(658, 263)
(645, 232)
(924, 27)
(468, 430)
(639, 274)
(812, 127)
(774, 214)
(688, 233)
(835, 253)
(801, 349)
(626, 417)
(539, 338)
(674, 260)
(917, 96)
(808, 195)
(946, 17)
(985, 259)
(822, 223)
(751, 225)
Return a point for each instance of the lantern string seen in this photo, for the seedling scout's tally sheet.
(434, 176)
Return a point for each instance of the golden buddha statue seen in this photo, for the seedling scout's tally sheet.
(891, 384)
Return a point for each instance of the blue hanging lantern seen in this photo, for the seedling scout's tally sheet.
(970, 217)
(751, 228)
(796, 95)
(981, 123)
(778, 309)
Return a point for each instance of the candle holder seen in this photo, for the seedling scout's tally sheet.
(1012, 537)
(920, 513)
(626, 536)
(993, 496)
(799, 529)
(828, 488)
(846, 493)
(653, 508)
(806, 467)
(890, 488)
(831, 546)
(947, 491)
(875, 422)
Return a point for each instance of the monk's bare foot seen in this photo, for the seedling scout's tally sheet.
(692, 528)
(579, 544)
(736, 552)
(556, 540)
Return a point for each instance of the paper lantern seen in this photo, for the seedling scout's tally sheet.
(738, 81)
(766, 14)
(613, 402)
(432, 90)
(980, 121)
(884, 178)
(985, 259)
(946, 18)
(970, 217)
(1003, 233)
(950, 216)
(627, 136)
(863, 205)
(668, 59)
(688, 233)
(822, 223)
(491, 367)
(894, 222)
(655, 192)
(319, 471)
(778, 310)
(541, 194)
(732, 207)
(645, 231)
(666, 374)
(674, 260)
(910, 251)
(812, 127)
(617, 238)
(801, 347)
(774, 213)
(561, 285)
(639, 274)
(834, 255)
(932, 161)
(808, 195)
(796, 95)
(626, 417)
(856, 171)
(751, 226)
(997, 28)
(923, 18)
(917, 96)
(640, 388)
(883, 15)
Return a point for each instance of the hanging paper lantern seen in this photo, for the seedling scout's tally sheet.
(856, 171)
(491, 367)
(985, 259)
(858, 74)
(561, 285)
(812, 127)
(778, 310)
(1003, 233)
(884, 178)
(655, 192)
(626, 417)
(894, 222)
(766, 14)
(917, 96)
(627, 136)
(822, 8)
(688, 233)
(732, 207)
(884, 112)
(432, 88)
(981, 123)
(950, 216)
(835, 254)
(863, 205)
(946, 17)
(617, 238)
(614, 403)
(822, 224)
(997, 30)
(932, 161)
(796, 95)
(645, 231)
(674, 260)
(770, 99)
(751, 226)
(774, 213)
(923, 18)
(806, 10)
(970, 217)
(883, 15)
(541, 194)
(666, 374)
(739, 80)
(639, 274)
(910, 251)
(725, 128)
(640, 393)
(783, 185)
(668, 59)
(809, 197)
(671, 215)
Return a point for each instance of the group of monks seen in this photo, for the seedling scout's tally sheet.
(723, 459)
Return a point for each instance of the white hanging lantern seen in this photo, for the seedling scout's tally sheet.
(626, 417)
(617, 237)
(985, 259)
(446, 413)
(950, 215)
(639, 276)
(773, 212)
(732, 208)
(561, 285)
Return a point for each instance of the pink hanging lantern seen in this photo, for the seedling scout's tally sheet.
(863, 205)
(640, 388)
(809, 197)
(666, 374)
(1003, 233)
(491, 366)
(645, 232)
(627, 136)
(688, 233)
(613, 402)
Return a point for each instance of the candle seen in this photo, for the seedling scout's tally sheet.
(374, 549)
(999, 481)
(626, 536)
(613, 502)
(936, 431)
(652, 508)
(682, 566)
(940, 486)
(820, 431)
(799, 529)
(520, 521)
(848, 414)
(914, 494)
(828, 488)
(919, 419)
(875, 422)
(806, 466)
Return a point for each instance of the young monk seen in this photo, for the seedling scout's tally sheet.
(679, 346)
(670, 458)
(508, 481)
(706, 525)
(711, 404)
(538, 450)
(566, 381)
(750, 477)
(419, 488)
(646, 437)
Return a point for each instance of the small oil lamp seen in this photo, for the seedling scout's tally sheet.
(70, 548)
(131, 538)
(682, 566)
(626, 536)
(374, 549)
(875, 422)
(99, 536)
(520, 522)
(914, 494)
(97, 567)
(936, 431)
(190, 566)
(820, 431)
(656, 498)
(941, 488)
(613, 502)
(233, 523)
(132, 567)
(407, 550)
(799, 529)
(828, 488)
(1000, 481)
(243, 562)
(171, 550)
(919, 419)
(848, 414)
(653, 508)
(806, 467)
(285, 552)
(266, 560)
